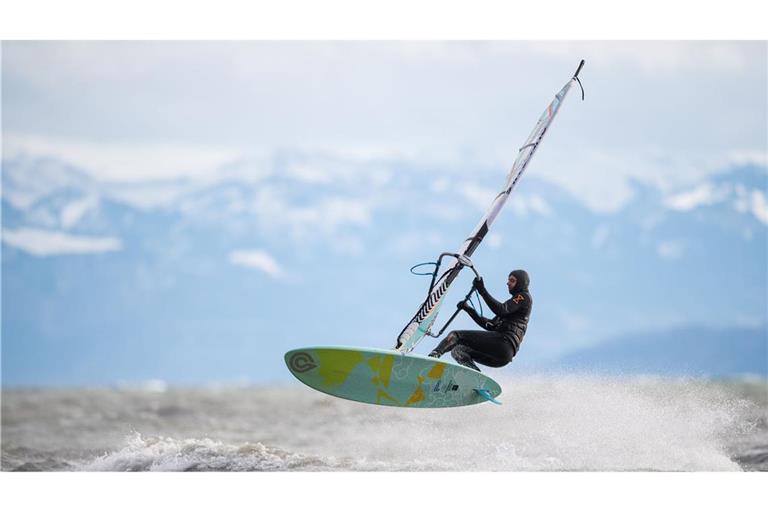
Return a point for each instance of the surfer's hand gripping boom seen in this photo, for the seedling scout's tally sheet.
(463, 305)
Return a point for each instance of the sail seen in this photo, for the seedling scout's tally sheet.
(422, 321)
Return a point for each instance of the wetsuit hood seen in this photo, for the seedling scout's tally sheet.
(522, 280)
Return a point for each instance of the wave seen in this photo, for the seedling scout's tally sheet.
(546, 423)
(168, 454)
(563, 423)
(150, 453)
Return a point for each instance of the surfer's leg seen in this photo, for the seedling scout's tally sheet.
(461, 354)
(486, 348)
(444, 346)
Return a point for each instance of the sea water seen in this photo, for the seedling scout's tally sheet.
(546, 423)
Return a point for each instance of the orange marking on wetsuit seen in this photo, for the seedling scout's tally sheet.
(518, 299)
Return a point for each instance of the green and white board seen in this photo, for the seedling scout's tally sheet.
(389, 377)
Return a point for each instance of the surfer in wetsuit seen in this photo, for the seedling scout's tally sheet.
(499, 343)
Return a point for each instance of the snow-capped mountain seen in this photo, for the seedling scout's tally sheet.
(302, 249)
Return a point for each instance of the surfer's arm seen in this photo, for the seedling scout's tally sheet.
(485, 323)
(500, 308)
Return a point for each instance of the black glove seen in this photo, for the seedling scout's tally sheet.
(463, 305)
(478, 283)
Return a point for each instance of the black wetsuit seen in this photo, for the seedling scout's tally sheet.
(500, 342)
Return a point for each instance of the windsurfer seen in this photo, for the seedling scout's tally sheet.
(499, 343)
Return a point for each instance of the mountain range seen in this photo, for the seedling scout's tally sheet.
(687, 350)
(214, 279)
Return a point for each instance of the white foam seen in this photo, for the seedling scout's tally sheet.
(572, 422)
(589, 423)
(168, 454)
(562, 423)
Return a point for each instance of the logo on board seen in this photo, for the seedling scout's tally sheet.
(451, 386)
(301, 362)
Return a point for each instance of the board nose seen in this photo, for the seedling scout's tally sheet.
(300, 361)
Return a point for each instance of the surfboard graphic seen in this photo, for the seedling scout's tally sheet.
(389, 377)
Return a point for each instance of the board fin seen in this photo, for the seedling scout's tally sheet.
(487, 395)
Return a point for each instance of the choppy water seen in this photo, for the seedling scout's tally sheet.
(546, 423)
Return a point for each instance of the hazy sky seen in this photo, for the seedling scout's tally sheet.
(664, 113)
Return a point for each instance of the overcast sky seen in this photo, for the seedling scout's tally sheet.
(663, 113)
